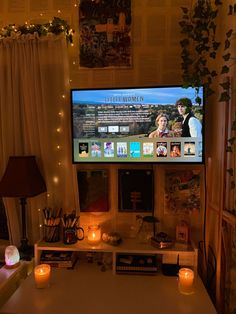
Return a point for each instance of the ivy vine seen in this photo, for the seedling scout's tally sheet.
(199, 47)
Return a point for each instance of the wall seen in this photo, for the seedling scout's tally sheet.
(156, 61)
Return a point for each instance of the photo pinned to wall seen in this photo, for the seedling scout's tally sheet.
(93, 190)
(182, 192)
(105, 33)
(135, 190)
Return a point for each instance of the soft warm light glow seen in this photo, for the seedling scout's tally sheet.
(63, 96)
(58, 147)
(12, 256)
(186, 278)
(61, 113)
(58, 130)
(55, 179)
(94, 234)
(42, 275)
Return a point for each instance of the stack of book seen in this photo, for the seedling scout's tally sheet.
(59, 259)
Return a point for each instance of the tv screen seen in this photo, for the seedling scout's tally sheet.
(162, 124)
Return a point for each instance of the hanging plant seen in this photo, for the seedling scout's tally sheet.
(199, 49)
(56, 26)
(199, 46)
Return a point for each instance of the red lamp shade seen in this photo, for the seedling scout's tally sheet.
(22, 178)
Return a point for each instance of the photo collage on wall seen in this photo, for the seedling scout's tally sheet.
(182, 192)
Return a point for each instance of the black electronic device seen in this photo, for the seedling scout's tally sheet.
(122, 125)
(136, 264)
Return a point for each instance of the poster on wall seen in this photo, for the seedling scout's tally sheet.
(105, 33)
(182, 192)
(93, 190)
(135, 190)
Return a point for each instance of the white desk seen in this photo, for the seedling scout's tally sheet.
(88, 290)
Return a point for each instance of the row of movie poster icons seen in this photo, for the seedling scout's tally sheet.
(158, 149)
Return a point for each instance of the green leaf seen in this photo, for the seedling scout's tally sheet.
(225, 69)
(213, 55)
(230, 171)
(232, 185)
(225, 85)
(198, 100)
(229, 149)
(213, 73)
(226, 57)
(229, 33)
(216, 45)
(185, 10)
(231, 140)
(224, 97)
(227, 44)
(233, 127)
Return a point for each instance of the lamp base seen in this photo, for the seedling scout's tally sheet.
(26, 251)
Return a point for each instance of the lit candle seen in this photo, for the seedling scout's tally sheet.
(42, 274)
(186, 277)
(94, 234)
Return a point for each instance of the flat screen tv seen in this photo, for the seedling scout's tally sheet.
(162, 124)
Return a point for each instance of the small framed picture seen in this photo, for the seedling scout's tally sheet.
(93, 190)
(135, 190)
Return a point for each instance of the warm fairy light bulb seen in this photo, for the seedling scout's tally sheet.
(58, 147)
(48, 194)
(75, 5)
(58, 130)
(59, 163)
(63, 96)
(61, 113)
(58, 11)
(55, 179)
(39, 209)
(72, 45)
(40, 226)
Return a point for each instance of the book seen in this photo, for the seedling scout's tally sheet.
(59, 259)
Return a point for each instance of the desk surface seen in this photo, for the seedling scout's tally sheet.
(88, 290)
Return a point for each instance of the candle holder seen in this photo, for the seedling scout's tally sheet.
(94, 234)
(186, 280)
(42, 274)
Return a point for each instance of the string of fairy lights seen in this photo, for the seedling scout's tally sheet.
(56, 26)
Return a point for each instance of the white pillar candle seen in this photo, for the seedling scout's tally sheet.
(94, 234)
(42, 275)
(186, 278)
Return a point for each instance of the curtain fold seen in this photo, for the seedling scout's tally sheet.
(34, 120)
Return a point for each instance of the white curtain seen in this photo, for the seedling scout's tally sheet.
(34, 120)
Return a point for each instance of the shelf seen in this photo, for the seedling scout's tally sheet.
(187, 253)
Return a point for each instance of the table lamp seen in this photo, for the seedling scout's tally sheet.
(22, 179)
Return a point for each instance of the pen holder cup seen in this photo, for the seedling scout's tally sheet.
(70, 235)
(51, 233)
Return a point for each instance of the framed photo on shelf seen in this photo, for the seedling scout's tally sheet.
(135, 190)
(93, 190)
(105, 33)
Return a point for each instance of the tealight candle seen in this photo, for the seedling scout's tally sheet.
(42, 274)
(186, 277)
(94, 234)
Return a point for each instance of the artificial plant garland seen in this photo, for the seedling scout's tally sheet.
(56, 26)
